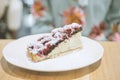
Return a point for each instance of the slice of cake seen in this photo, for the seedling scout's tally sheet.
(57, 43)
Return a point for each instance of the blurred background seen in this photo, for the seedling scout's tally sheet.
(100, 19)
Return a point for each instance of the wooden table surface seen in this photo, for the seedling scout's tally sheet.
(106, 69)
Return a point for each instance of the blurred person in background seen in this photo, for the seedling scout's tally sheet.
(97, 17)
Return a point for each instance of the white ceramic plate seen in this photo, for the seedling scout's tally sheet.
(15, 53)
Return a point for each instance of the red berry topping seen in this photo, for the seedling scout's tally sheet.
(68, 31)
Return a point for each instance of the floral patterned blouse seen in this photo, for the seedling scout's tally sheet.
(97, 17)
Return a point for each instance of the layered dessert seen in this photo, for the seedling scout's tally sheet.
(54, 44)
